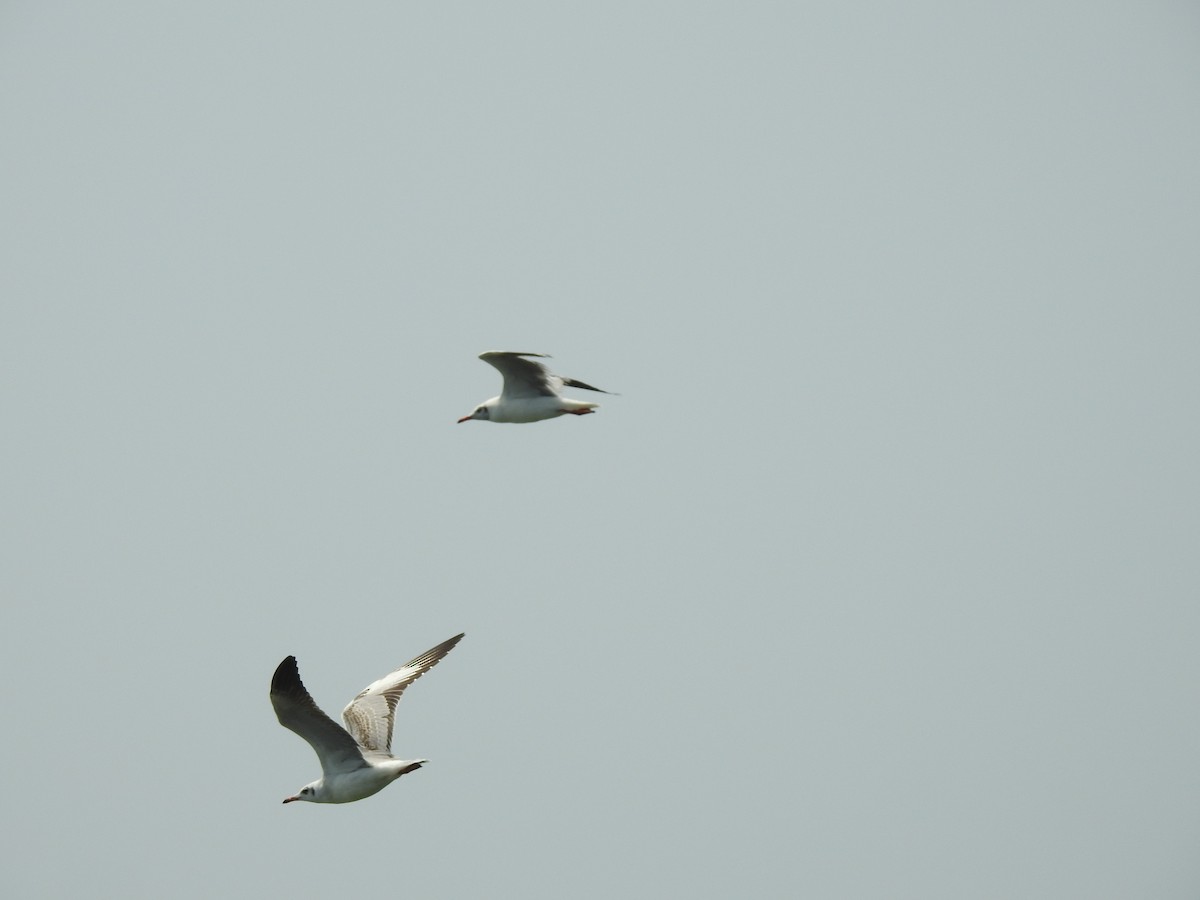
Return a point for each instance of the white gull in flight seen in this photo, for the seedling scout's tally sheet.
(530, 393)
(356, 761)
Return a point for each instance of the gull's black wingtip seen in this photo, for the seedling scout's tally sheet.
(287, 677)
(576, 383)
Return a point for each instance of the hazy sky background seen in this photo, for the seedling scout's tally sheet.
(879, 580)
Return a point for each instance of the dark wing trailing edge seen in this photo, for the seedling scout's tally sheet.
(296, 711)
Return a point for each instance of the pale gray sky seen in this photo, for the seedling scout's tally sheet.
(879, 579)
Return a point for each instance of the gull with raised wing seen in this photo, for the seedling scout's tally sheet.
(356, 761)
(530, 393)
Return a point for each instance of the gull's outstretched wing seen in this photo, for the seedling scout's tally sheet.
(526, 378)
(296, 711)
(369, 715)
(522, 377)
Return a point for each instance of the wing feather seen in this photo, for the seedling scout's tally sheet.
(526, 378)
(296, 711)
(522, 377)
(369, 716)
(571, 382)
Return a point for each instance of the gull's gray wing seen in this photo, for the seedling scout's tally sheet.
(369, 715)
(296, 711)
(522, 377)
(526, 378)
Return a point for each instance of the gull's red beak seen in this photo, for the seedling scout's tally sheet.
(290, 799)
(466, 418)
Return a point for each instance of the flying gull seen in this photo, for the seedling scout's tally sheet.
(530, 393)
(356, 761)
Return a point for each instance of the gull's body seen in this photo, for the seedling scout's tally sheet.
(530, 393)
(356, 761)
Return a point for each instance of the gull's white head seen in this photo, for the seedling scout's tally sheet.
(483, 411)
(308, 792)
